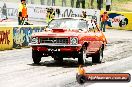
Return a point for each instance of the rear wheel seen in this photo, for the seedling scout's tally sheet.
(82, 56)
(97, 58)
(36, 55)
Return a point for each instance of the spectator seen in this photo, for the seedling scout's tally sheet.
(84, 14)
(53, 2)
(48, 2)
(78, 4)
(32, 1)
(42, 2)
(108, 4)
(99, 4)
(104, 18)
(58, 12)
(63, 2)
(4, 11)
(22, 12)
(50, 15)
(72, 3)
(27, 1)
(91, 3)
(83, 3)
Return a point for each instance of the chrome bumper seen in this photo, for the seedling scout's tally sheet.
(55, 45)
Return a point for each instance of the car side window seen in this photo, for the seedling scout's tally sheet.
(82, 24)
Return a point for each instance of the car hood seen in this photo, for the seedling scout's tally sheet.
(65, 33)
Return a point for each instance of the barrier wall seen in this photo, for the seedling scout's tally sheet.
(38, 12)
(17, 37)
(22, 35)
(6, 35)
(120, 20)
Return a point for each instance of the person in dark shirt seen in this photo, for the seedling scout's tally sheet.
(99, 4)
(83, 3)
(72, 3)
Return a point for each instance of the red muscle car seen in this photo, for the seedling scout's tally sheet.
(69, 38)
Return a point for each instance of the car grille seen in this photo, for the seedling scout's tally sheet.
(54, 40)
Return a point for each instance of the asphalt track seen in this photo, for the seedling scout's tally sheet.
(18, 70)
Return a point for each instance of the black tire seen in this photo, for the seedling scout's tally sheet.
(36, 56)
(98, 56)
(82, 57)
(58, 59)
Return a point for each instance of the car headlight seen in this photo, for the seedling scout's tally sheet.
(74, 41)
(34, 40)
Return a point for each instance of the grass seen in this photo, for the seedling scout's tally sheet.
(122, 5)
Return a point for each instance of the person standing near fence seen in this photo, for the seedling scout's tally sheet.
(50, 15)
(48, 2)
(108, 5)
(22, 12)
(84, 14)
(83, 3)
(63, 3)
(104, 18)
(99, 4)
(91, 4)
(4, 11)
(58, 12)
(72, 3)
(42, 2)
(78, 4)
(53, 2)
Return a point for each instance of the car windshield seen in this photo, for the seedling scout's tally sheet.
(68, 24)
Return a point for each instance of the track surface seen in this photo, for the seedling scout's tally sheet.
(18, 70)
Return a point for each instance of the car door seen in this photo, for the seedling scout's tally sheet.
(94, 43)
(100, 35)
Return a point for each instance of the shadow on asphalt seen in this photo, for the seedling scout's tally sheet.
(64, 64)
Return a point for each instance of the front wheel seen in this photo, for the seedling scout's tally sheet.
(36, 56)
(58, 59)
(98, 56)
